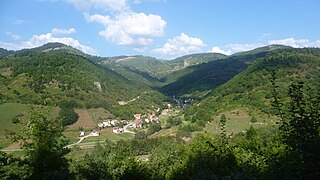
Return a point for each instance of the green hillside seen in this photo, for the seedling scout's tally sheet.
(154, 67)
(50, 77)
(194, 59)
(151, 71)
(252, 88)
(197, 81)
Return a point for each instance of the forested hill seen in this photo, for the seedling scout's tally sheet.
(197, 81)
(53, 76)
(252, 88)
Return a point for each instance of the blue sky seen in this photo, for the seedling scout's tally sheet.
(160, 28)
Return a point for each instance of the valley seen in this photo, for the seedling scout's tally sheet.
(132, 101)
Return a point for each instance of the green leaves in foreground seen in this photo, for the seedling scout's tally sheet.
(43, 141)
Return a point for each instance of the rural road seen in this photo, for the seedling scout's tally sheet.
(125, 128)
(80, 140)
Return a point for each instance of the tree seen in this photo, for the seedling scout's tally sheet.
(253, 119)
(300, 130)
(173, 122)
(140, 135)
(223, 121)
(67, 114)
(44, 143)
(154, 127)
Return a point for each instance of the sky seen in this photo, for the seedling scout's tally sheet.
(164, 29)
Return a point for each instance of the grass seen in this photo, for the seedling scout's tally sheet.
(99, 114)
(8, 111)
(238, 120)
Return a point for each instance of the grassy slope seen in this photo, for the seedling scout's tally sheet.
(8, 111)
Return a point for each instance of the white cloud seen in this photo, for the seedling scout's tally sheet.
(297, 43)
(38, 40)
(130, 28)
(243, 47)
(13, 36)
(181, 45)
(111, 5)
(217, 49)
(63, 31)
(18, 21)
(121, 24)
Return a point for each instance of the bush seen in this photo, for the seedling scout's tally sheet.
(173, 122)
(154, 127)
(141, 135)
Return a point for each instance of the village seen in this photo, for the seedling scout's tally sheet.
(126, 126)
(138, 121)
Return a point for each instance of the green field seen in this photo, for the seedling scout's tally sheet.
(8, 111)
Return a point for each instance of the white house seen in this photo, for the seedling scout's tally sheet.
(106, 123)
(114, 122)
(146, 120)
(100, 125)
(95, 133)
(117, 130)
(81, 133)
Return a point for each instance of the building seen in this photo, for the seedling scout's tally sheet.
(95, 133)
(106, 123)
(81, 133)
(117, 130)
(137, 116)
(137, 123)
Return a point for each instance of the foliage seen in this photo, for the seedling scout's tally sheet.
(67, 115)
(253, 119)
(153, 127)
(44, 144)
(173, 122)
(206, 159)
(300, 130)
(140, 135)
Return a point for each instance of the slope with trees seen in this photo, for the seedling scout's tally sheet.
(251, 88)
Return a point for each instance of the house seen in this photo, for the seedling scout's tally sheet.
(146, 120)
(106, 123)
(137, 116)
(153, 118)
(100, 125)
(165, 112)
(95, 133)
(114, 122)
(117, 130)
(81, 133)
(137, 123)
(124, 122)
